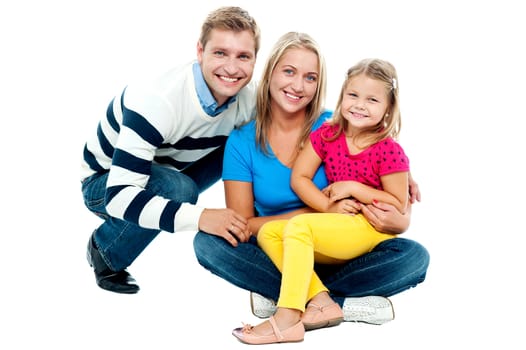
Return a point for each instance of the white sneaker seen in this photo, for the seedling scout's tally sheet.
(261, 306)
(369, 309)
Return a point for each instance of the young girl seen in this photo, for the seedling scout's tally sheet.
(363, 164)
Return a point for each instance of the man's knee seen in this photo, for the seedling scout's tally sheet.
(173, 185)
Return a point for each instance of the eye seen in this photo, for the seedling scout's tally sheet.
(245, 57)
(288, 71)
(312, 78)
(219, 53)
(372, 99)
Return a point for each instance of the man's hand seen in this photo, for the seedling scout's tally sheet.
(225, 223)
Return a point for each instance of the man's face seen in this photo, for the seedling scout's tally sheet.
(227, 62)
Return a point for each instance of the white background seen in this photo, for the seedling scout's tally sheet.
(462, 79)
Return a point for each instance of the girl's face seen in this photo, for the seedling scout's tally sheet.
(365, 102)
(294, 81)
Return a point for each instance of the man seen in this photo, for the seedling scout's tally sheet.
(161, 144)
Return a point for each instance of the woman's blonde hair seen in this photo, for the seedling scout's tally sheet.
(391, 123)
(290, 40)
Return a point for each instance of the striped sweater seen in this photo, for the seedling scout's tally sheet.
(159, 121)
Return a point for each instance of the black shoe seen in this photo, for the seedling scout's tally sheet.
(114, 281)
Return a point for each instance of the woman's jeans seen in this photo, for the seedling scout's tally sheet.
(392, 267)
(120, 242)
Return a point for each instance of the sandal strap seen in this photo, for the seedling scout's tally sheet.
(319, 308)
(275, 328)
(314, 305)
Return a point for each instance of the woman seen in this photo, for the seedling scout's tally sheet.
(257, 168)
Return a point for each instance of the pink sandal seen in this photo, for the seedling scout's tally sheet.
(316, 317)
(292, 334)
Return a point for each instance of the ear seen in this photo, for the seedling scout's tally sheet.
(200, 50)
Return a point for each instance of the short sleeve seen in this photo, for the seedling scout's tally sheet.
(394, 157)
(317, 139)
(236, 160)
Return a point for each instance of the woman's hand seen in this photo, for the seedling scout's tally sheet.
(386, 218)
(414, 190)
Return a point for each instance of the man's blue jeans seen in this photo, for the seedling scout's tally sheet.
(120, 242)
(392, 267)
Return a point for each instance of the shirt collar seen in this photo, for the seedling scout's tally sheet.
(207, 100)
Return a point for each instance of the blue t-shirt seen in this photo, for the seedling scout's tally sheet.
(245, 161)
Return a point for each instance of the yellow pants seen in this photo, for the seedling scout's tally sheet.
(329, 238)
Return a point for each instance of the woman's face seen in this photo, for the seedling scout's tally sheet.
(294, 81)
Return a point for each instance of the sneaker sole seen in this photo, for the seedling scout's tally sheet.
(370, 302)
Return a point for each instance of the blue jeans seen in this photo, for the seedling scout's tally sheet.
(121, 242)
(392, 267)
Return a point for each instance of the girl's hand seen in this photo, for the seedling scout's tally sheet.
(345, 206)
(338, 190)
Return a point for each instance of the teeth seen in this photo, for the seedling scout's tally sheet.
(230, 80)
(292, 96)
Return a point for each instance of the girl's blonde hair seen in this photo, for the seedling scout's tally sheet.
(391, 123)
(290, 40)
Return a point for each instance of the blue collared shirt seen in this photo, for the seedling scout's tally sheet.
(207, 100)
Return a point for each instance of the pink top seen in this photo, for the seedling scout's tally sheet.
(382, 158)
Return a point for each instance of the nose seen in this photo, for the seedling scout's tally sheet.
(297, 84)
(360, 104)
(231, 67)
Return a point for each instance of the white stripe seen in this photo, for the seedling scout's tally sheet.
(119, 176)
(118, 205)
(151, 213)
